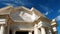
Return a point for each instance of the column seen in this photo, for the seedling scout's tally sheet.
(8, 29)
(43, 30)
(2, 30)
(30, 32)
(35, 29)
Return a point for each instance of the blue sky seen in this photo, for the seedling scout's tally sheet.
(50, 8)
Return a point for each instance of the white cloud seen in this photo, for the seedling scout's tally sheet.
(45, 9)
(46, 13)
(58, 18)
(10, 4)
(59, 10)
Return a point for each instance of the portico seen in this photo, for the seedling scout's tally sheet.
(25, 21)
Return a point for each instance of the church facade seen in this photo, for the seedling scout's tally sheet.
(21, 20)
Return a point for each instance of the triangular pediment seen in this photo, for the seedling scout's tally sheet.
(23, 14)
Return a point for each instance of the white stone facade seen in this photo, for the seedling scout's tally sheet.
(22, 19)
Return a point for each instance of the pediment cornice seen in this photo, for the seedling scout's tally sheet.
(19, 14)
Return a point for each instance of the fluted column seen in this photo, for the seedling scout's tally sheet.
(36, 29)
(2, 30)
(43, 30)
